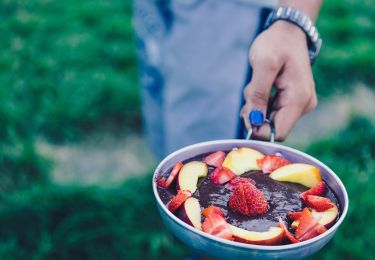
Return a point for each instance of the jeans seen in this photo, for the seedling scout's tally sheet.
(193, 63)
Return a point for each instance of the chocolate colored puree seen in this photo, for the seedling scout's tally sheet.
(283, 197)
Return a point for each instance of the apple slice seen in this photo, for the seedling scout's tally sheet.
(273, 236)
(301, 173)
(242, 160)
(189, 174)
(326, 218)
(294, 224)
(190, 212)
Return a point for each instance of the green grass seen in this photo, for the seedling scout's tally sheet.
(57, 222)
(68, 67)
(348, 52)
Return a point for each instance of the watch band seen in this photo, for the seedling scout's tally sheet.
(304, 22)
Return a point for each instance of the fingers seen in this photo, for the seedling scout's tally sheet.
(284, 120)
(296, 96)
(291, 104)
(313, 102)
(257, 92)
(262, 133)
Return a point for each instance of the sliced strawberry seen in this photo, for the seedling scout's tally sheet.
(316, 231)
(178, 200)
(295, 215)
(308, 227)
(307, 223)
(234, 182)
(215, 159)
(216, 225)
(161, 182)
(212, 209)
(221, 175)
(248, 200)
(318, 203)
(318, 190)
(165, 183)
(269, 163)
(287, 232)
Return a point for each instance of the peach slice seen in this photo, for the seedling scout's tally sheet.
(273, 236)
(326, 218)
(301, 173)
(189, 175)
(190, 212)
(242, 160)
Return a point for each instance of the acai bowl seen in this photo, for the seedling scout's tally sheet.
(231, 199)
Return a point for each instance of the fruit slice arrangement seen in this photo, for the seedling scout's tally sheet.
(220, 168)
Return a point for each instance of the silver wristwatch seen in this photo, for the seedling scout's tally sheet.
(304, 22)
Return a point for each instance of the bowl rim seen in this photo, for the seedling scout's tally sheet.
(345, 203)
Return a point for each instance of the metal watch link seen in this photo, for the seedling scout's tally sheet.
(295, 16)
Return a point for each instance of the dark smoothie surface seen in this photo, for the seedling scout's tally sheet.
(281, 201)
(283, 197)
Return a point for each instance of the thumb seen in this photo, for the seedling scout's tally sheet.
(257, 92)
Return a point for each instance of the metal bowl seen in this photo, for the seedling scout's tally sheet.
(209, 245)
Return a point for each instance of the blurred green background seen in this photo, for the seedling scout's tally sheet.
(68, 80)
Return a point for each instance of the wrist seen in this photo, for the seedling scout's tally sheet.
(301, 21)
(289, 29)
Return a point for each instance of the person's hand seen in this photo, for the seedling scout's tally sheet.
(279, 57)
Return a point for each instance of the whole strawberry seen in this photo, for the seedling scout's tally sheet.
(248, 200)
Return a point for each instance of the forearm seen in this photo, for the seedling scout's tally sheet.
(309, 7)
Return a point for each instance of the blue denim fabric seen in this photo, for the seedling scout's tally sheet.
(193, 58)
